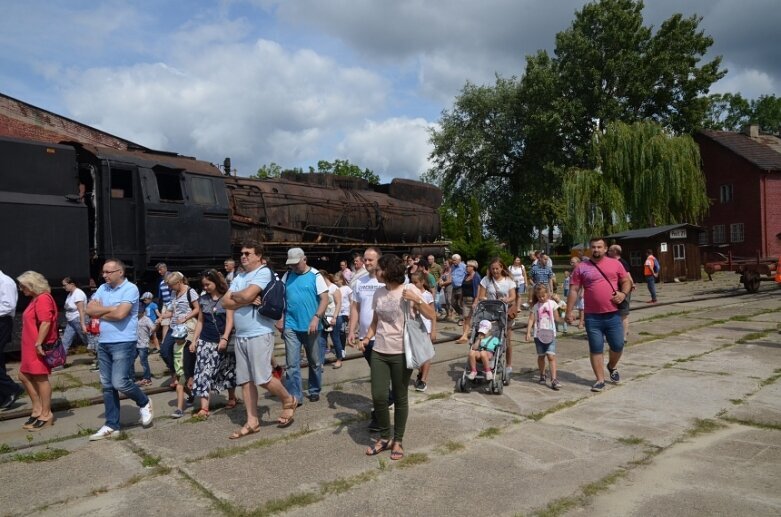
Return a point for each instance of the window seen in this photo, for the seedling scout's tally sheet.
(635, 259)
(203, 191)
(679, 252)
(736, 232)
(718, 234)
(169, 186)
(121, 184)
(703, 237)
(725, 193)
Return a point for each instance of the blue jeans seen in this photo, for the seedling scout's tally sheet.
(336, 339)
(294, 340)
(167, 351)
(73, 329)
(143, 354)
(651, 281)
(601, 326)
(117, 375)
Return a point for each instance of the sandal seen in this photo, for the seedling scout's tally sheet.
(244, 431)
(397, 454)
(232, 403)
(202, 414)
(378, 447)
(285, 421)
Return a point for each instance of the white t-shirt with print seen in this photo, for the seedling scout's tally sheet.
(363, 295)
(544, 316)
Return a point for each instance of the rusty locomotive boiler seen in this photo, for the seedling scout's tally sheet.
(74, 205)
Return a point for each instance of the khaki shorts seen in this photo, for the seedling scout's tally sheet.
(466, 306)
(253, 359)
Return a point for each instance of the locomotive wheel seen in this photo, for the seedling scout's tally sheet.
(751, 281)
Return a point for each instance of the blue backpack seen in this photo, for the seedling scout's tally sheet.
(273, 302)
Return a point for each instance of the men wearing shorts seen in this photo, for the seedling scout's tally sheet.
(603, 292)
(254, 341)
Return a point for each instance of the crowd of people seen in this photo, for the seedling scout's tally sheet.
(218, 335)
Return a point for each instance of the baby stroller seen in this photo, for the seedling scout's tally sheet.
(494, 311)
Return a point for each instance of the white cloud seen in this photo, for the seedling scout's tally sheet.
(749, 83)
(393, 148)
(255, 102)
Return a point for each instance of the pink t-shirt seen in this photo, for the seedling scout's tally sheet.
(389, 338)
(598, 292)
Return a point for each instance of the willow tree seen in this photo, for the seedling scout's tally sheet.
(643, 176)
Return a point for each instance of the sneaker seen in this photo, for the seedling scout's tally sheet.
(95, 367)
(555, 384)
(146, 414)
(471, 375)
(614, 376)
(178, 413)
(489, 375)
(420, 386)
(598, 386)
(542, 380)
(103, 432)
(508, 370)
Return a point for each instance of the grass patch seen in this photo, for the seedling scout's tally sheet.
(440, 395)
(736, 402)
(122, 436)
(558, 507)
(382, 464)
(4, 448)
(224, 507)
(80, 403)
(44, 455)
(752, 423)
(341, 485)
(665, 316)
(450, 447)
(752, 337)
(101, 490)
(150, 461)
(632, 440)
(410, 460)
(558, 407)
(86, 431)
(703, 426)
(770, 380)
(338, 387)
(287, 503)
(227, 452)
(490, 432)
(644, 333)
(603, 484)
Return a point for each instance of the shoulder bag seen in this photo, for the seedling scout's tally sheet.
(54, 354)
(417, 344)
(624, 305)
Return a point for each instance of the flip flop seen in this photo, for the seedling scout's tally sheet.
(232, 403)
(244, 431)
(384, 445)
(282, 421)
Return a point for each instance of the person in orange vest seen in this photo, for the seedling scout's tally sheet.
(651, 273)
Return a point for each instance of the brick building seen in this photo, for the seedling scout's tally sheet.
(743, 181)
(21, 120)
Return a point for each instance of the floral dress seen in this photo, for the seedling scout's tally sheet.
(214, 370)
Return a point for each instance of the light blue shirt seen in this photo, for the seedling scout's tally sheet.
(125, 329)
(458, 273)
(246, 320)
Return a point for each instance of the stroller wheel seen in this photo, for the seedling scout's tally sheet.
(461, 384)
(497, 386)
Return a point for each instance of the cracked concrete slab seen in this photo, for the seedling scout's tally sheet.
(761, 408)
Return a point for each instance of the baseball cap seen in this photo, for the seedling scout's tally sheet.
(294, 256)
(147, 295)
(484, 327)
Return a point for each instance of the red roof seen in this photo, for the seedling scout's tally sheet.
(764, 151)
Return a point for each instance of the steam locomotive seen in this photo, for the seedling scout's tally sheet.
(67, 207)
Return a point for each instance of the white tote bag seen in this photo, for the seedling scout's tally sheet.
(417, 344)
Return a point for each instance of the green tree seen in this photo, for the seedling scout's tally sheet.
(272, 170)
(345, 168)
(645, 176)
(731, 112)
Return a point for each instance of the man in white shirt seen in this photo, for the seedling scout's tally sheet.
(9, 390)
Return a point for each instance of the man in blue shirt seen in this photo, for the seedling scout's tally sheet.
(254, 341)
(116, 304)
(307, 298)
(457, 274)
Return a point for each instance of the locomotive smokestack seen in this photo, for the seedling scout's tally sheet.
(226, 165)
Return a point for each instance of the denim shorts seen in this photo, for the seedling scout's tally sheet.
(601, 326)
(521, 289)
(543, 349)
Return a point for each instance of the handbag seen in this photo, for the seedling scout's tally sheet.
(54, 354)
(417, 344)
(624, 305)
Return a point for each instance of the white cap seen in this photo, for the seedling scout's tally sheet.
(294, 256)
(147, 295)
(484, 327)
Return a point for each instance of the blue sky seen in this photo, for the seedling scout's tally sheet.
(301, 80)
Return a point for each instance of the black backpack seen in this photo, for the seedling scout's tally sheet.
(273, 301)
